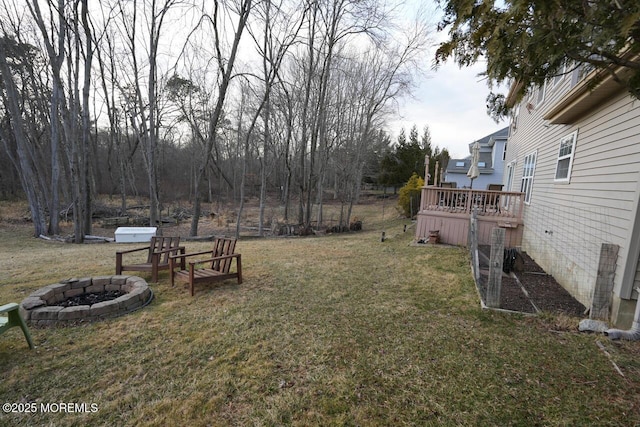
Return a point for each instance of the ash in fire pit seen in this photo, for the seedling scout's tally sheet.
(89, 299)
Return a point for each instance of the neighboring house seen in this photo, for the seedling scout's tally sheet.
(574, 150)
(491, 164)
(445, 211)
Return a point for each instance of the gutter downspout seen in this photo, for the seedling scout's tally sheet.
(632, 334)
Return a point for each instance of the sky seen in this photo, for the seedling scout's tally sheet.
(450, 101)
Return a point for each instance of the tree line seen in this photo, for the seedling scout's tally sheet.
(198, 100)
(408, 156)
(194, 99)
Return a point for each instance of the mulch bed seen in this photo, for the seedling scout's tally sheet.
(533, 291)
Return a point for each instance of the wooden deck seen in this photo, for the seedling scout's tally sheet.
(449, 211)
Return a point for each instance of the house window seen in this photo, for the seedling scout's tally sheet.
(565, 157)
(560, 76)
(580, 71)
(482, 164)
(527, 176)
(504, 152)
(541, 91)
(459, 164)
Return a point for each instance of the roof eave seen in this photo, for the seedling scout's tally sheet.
(584, 96)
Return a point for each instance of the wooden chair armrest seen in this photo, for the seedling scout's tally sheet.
(146, 248)
(8, 307)
(176, 249)
(185, 255)
(182, 257)
(200, 261)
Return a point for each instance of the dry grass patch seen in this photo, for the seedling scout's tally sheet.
(335, 330)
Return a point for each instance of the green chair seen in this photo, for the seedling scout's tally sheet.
(12, 319)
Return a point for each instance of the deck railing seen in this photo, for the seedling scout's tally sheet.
(505, 204)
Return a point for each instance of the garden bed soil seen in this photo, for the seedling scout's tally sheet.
(532, 290)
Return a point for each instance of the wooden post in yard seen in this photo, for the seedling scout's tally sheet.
(495, 267)
(473, 245)
(601, 302)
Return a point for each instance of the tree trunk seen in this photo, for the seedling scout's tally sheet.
(217, 112)
(86, 123)
(27, 173)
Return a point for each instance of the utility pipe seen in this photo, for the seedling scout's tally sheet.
(632, 334)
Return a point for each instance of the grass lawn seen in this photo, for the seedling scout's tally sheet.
(335, 330)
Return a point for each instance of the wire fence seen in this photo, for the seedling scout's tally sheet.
(569, 240)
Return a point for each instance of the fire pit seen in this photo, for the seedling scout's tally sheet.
(75, 301)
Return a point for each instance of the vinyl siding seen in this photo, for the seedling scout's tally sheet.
(566, 223)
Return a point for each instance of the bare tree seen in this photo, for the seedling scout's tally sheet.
(330, 25)
(66, 33)
(56, 52)
(144, 108)
(278, 34)
(225, 66)
(108, 73)
(308, 118)
(14, 129)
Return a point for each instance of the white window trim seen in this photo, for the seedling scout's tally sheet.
(510, 173)
(529, 178)
(561, 75)
(541, 90)
(574, 137)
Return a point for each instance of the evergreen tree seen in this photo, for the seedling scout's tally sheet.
(403, 159)
(426, 141)
(527, 42)
(413, 136)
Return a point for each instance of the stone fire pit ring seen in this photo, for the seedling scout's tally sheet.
(40, 308)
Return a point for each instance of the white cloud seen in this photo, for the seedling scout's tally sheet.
(452, 102)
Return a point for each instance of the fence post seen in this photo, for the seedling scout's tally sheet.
(473, 245)
(495, 267)
(601, 302)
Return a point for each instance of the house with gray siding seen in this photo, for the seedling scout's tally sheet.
(490, 164)
(574, 151)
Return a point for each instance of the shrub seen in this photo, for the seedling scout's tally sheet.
(409, 198)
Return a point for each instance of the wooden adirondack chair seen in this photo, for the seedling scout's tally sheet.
(215, 267)
(159, 250)
(12, 319)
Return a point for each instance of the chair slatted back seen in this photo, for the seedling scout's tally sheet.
(223, 246)
(160, 243)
